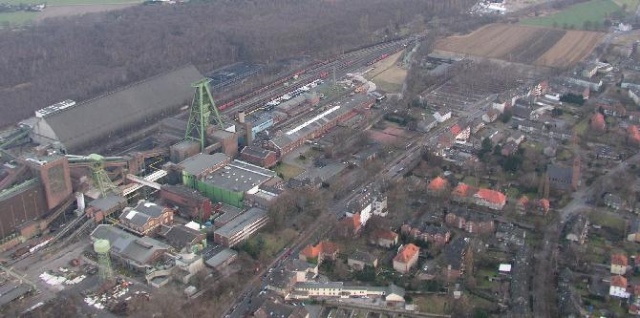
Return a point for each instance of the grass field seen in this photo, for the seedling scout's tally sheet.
(16, 18)
(57, 8)
(575, 16)
(288, 171)
(431, 303)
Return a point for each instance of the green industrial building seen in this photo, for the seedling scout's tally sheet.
(230, 182)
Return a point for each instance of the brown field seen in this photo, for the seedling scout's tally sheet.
(524, 44)
(573, 47)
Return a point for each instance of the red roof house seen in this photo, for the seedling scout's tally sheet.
(490, 198)
(438, 184)
(598, 123)
(406, 258)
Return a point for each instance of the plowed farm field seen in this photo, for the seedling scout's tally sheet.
(524, 44)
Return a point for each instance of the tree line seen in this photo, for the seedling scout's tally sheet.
(81, 57)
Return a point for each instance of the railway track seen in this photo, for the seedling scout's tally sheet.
(342, 65)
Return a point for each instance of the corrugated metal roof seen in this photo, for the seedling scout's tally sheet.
(95, 119)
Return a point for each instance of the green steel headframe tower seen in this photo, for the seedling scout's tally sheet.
(202, 106)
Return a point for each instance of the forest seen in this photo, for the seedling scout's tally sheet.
(82, 57)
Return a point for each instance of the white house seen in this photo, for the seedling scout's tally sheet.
(380, 206)
(618, 287)
(442, 116)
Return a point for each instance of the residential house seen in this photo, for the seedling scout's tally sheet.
(522, 205)
(561, 133)
(320, 252)
(539, 89)
(460, 133)
(618, 287)
(304, 271)
(544, 206)
(509, 149)
(597, 122)
(406, 258)
(145, 218)
(591, 84)
(619, 264)
(529, 126)
(491, 199)
(438, 185)
(436, 235)
(442, 116)
(490, 116)
(589, 70)
(359, 259)
(379, 206)
(634, 306)
(613, 201)
(349, 226)
(578, 228)
(477, 125)
(614, 109)
(462, 192)
(634, 116)
(281, 282)
(516, 137)
(564, 178)
(456, 254)
(634, 230)
(633, 134)
(500, 105)
(634, 94)
(426, 124)
(624, 27)
(384, 238)
(472, 222)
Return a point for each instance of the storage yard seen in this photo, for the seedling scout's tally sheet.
(524, 44)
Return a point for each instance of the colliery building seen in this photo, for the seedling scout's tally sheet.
(79, 125)
(284, 143)
(241, 227)
(221, 181)
(138, 253)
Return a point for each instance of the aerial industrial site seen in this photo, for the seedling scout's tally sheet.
(482, 164)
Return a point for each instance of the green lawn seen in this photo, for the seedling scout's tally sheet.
(575, 16)
(435, 304)
(16, 18)
(288, 171)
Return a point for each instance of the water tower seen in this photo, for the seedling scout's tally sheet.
(102, 247)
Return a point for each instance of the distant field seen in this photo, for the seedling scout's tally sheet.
(58, 8)
(575, 16)
(524, 44)
(17, 18)
(69, 2)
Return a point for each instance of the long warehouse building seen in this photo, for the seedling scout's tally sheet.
(79, 125)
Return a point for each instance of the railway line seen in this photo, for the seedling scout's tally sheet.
(341, 65)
